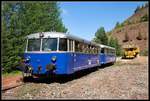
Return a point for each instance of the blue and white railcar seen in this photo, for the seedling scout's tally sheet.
(107, 54)
(58, 53)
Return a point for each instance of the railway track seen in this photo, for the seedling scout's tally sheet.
(10, 87)
(11, 82)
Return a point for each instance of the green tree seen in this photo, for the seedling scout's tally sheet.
(101, 37)
(137, 9)
(22, 18)
(144, 18)
(6, 39)
(117, 25)
(113, 42)
(144, 52)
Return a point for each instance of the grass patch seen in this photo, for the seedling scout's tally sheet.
(118, 63)
(132, 63)
(13, 73)
(144, 52)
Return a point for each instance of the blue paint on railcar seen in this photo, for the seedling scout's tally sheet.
(110, 58)
(43, 59)
(105, 58)
(84, 61)
(102, 58)
(66, 63)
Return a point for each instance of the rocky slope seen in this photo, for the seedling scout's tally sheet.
(134, 27)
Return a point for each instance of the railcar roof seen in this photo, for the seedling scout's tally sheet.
(105, 46)
(60, 35)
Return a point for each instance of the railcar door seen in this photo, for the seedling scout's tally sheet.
(71, 55)
(102, 56)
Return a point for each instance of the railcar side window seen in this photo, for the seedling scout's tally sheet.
(95, 50)
(86, 48)
(49, 44)
(98, 50)
(76, 46)
(105, 51)
(81, 47)
(92, 49)
(113, 52)
(89, 49)
(70, 45)
(63, 44)
(102, 50)
(34, 44)
(108, 51)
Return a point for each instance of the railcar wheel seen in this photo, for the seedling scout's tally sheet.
(27, 76)
(113, 63)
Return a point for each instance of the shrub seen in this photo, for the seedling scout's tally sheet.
(144, 18)
(126, 37)
(139, 37)
(144, 52)
(119, 25)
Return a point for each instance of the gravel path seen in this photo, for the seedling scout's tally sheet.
(123, 80)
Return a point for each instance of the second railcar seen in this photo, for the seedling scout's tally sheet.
(107, 54)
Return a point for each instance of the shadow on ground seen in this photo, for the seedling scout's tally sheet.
(64, 78)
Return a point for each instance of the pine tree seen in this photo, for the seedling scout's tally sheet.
(137, 9)
(23, 18)
(101, 37)
(6, 39)
(118, 47)
(117, 25)
(113, 42)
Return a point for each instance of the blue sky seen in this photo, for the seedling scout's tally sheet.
(84, 18)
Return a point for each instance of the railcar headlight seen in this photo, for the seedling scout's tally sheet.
(53, 59)
(27, 59)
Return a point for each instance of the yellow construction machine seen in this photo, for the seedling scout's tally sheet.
(130, 51)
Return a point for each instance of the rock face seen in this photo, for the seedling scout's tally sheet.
(136, 28)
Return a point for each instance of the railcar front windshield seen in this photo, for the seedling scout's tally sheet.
(49, 44)
(34, 44)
